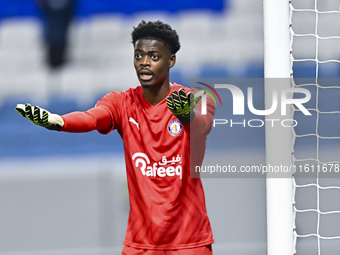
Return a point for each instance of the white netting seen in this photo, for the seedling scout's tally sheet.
(315, 65)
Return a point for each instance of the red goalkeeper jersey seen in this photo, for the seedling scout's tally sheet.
(167, 206)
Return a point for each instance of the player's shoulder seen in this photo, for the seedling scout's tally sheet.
(125, 93)
(119, 98)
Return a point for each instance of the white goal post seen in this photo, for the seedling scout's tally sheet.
(278, 140)
(302, 47)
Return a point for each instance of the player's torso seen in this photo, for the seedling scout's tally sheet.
(156, 143)
(166, 205)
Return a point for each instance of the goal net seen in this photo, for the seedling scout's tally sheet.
(315, 66)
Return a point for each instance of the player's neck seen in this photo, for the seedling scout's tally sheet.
(157, 93)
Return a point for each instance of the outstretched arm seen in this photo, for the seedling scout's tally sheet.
(97, 118)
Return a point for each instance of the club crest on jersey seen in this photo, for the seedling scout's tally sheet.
(175, 128)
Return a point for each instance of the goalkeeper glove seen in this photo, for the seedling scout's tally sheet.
(182, 105)
(40, 116)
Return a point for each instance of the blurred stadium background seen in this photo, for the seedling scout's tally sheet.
(66, 193)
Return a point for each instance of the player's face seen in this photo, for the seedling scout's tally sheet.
(152, 61)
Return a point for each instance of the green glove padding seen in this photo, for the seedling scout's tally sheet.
(40, 117)
(182, 105)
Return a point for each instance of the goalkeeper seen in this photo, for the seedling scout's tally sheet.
(167, 207)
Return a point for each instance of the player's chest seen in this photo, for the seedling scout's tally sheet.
(157, 125)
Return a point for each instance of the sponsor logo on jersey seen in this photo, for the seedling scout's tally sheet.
(175, 127)
(165, 167)
(132, 120)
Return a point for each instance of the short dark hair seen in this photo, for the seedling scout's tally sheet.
(157, 31)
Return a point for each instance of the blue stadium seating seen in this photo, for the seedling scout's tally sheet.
(19, 8)
(214, 72)
(254, 70)
(23, 139)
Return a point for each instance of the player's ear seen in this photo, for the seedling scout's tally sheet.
(172, 60)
